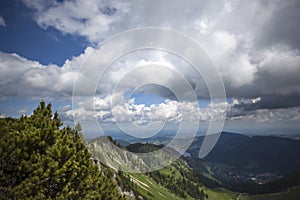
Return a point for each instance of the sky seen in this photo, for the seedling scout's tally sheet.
(55, 50)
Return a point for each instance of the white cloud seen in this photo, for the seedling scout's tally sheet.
(173, 112)
(202, 25)
(2, 22)
(237, 111)
(226, 42)
(227, 30)
(283, 69)
(84, 18)
(233, 62)
(29, 78)
(130, 112)
(245, 101)
(269, 116)
(22, 77)
(241, 72)
(228, 7)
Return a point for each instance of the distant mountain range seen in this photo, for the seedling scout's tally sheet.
(40, 160)
(252, 164)
(256, 164)
(278, 155)
(256, 153)
(247, 165)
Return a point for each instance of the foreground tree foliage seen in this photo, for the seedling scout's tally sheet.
(38, 160)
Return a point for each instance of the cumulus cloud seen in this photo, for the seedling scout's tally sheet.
(22, 77)
(282, 68)
(130, 112)
(280, 25)
(243, 110)
(90, 19)
(249, 110)
(255, 46)
(229, 31)
(276, 79)
(29, 78)
(17, 72)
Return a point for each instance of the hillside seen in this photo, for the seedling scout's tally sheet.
(42, 159)
(260, 153)
(210, 170)
(239, 160)
(176, 181)
(290, 194)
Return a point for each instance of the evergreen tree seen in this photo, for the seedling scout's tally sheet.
(40, 160)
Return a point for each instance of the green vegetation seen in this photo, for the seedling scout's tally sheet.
(177, 178)
(40, 160)
(143, 147)
(221, 194)
(149, 189)
(291, 194)
(254, 165)
(180, 180)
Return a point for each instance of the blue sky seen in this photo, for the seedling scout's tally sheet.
(23, 36)
(45, 45)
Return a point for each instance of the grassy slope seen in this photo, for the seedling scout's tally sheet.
(291, 194)
(150, 189)
(221, 194)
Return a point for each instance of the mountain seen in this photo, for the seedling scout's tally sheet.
(177, 177)
(240, 161)
(41, 159)
(276, 153)
(260, 153)
(256, 164)
(257, 153)
(188, 175)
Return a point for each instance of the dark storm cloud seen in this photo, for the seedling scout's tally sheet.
(276, 80)
(282, 26)
(278, 101)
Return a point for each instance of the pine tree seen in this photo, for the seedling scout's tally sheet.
(40, 160)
